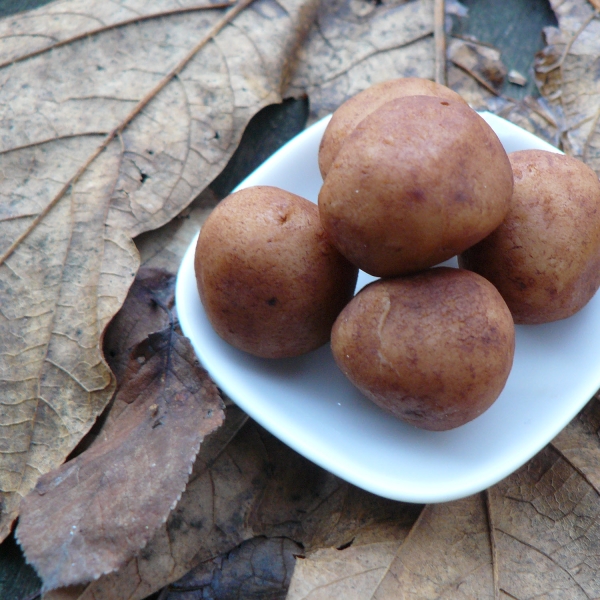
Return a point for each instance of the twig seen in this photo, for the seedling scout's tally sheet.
(472, 40)
(117, 131)
(439, 36)
(480, 80)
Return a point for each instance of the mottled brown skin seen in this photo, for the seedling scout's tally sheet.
(434, 349)
(270, 281)
(545, 257)
(418, 181)
(354, 110)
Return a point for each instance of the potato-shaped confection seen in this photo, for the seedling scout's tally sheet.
(355, 109)
(270, 281)
(545, 257)
(434, 349)
(418, 181)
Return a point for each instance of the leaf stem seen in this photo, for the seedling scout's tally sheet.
(439, 36)
(117, 131)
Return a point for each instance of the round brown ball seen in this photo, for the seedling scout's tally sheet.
(434, 349)
(418, 181)
(355, 109)
(545, 257)
(270, 281)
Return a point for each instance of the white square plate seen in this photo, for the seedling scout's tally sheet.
(309, 405)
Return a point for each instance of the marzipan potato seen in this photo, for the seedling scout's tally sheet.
(418, 181)
(270, 281)
(545, 257)
(434, 349)
(354, 110)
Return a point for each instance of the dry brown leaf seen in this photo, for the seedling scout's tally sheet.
(350, 569)
(446, 551)
(481, 61)
(147, 309)
(332, 573)
(535, 534)
(547, 74)
(567, 75)
(227, 480)
(241, 488)
(110, 134)
(355, 43)
(92, 514)
(447, 554)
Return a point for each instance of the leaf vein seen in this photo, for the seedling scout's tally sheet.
(103, 28)
(548, 556)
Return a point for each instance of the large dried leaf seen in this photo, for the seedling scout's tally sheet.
(448, 554)
(535, 534)
(353, 570)
(147, 309)
(447, 550)
(248, 486)
(62, 22)
(92, 514)
(111, 133)
(568, 75)
(58, 291)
